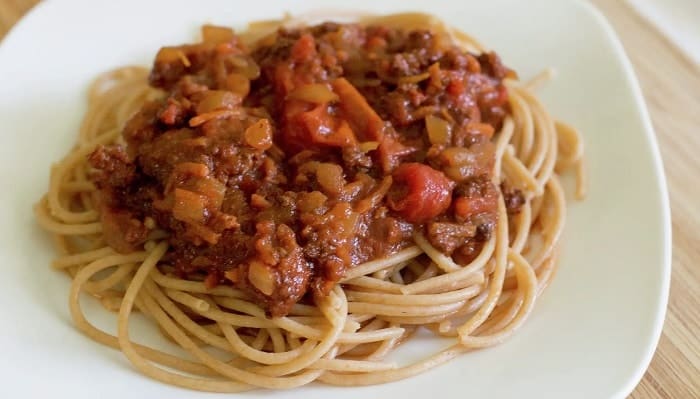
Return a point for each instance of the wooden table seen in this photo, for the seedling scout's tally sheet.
(671, 84)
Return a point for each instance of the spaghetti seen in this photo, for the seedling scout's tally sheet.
(345, 336)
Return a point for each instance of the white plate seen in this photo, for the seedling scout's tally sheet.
(593, 332)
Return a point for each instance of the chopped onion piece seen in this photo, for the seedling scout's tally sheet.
(316, 93)
(439, 130)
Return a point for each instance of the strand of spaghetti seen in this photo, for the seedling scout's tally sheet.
(442, 261)
(372, 283)
(570, 146)
(60, 244)
(385, 347)
(547, 170)
(438, 286)
(77, 186)
(188, 300)
(477, 264)
(417, 267)
(63, 167)
(504, 313)
(504, 317)
(260, 339)
(546, 273)
(196, 287)
(85, 198)
(447, 327)
(419, 320)
(379, 264)
(535, 158)
(540, 79)
(118, 275)
(544, 125)
(527, 281)
(293, 341)
(523, 138)
(373, 324)
(109, 105)
(187, 324)
(340, 340)
(557, 221)
(404, 310)
(277, 339)
(433, 361)
(516, 171)
(109, 340)
(306, 359)
(130, 104)
(287, 324)
(256, 313)
(502, 140)
(415, 300)
(390, 272)
(49, 224)
(304, 310)
(351, 366)
(82, 257)
(523, 221)
(257, 355)
(176, 333)
(108, 79)
(428, 272)
(228, 370)
(536, 207)
(496, 284)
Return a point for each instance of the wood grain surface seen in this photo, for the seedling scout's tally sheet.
(671, 85)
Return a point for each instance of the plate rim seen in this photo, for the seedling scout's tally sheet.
(655, 155)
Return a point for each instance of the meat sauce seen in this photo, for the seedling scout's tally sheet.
(277, 169)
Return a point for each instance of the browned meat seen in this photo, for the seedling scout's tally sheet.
(277, 169)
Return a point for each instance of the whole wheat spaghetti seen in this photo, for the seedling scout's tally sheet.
(346, 336)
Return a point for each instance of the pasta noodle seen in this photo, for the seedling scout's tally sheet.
(347, 337)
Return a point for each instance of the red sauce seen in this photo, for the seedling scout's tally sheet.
(276, 170)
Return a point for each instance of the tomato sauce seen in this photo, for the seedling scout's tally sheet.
(277, 168)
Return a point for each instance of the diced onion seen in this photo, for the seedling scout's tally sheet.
(189, 206)
(368, 146)
(330, 178)
(168, 54)
(216, 34)
(213, 190)
(217, 99)
(316, 93)
(245, 66)
(311, 202)
(414, 78)
(259, 135)
(238, 84)
(261, 277)
(439, 130)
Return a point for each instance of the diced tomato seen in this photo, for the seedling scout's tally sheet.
(327, 130)
(419, 192)
(171, 113)
(390, 151)
(466, 206)
(364, 120)
(314, 127)
(304, 49)
(284, 81)
(502, 95)
(456, 87)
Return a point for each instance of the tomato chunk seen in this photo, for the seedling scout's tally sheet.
(419, 192)
(485, 200)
